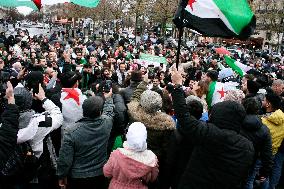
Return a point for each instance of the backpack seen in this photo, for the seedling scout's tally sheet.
(21, 165)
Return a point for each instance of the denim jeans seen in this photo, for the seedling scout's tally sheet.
(251, 178)
(276, 170)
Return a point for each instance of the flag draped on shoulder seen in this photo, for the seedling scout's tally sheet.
(217, 18)
(34, 4)
(218, 91)
(86, 3)
(72, 100)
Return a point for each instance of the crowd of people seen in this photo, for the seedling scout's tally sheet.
(83, 114)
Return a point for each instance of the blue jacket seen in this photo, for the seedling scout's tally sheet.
(84, 149)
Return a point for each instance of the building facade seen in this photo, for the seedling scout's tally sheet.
(270, 23)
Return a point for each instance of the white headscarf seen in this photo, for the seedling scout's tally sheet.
(136, 137)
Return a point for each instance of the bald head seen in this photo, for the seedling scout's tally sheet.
(17, 66)
(278, 86)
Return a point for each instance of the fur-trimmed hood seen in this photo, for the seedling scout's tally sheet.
(157, 121)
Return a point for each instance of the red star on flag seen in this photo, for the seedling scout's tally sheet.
(222, 93)
(72, 93)
(190, 3)
(37, 3)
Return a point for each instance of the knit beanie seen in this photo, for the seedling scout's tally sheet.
(136, 137)
(92, 107)
(151, 101)
(23, 98)
(234, 95)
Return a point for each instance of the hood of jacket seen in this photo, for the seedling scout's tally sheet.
(25, 118)
(228, 115)
(252, 123)
(157, 121)
(136, 165)
(277, 117)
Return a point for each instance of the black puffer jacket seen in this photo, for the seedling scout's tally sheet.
(221, 157)
(8, 132)
(259, 134)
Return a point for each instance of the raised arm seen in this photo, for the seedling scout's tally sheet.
(108, 105)
(189, 126)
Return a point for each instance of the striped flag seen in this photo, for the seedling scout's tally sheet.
(34, 4)
(217, 18)
(86, 3)
(238, 67)
(218, 91)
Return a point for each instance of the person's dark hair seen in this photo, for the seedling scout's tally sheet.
(195, 108)
(263, 80)
(251, 106)
(213, 75)
(136, 76)
(69, 79)
(273, 99)
(167, 103)
(156, 77)
(253, 86)
(93, 106)
(157, 90)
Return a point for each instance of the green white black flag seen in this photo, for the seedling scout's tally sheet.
(222, 18)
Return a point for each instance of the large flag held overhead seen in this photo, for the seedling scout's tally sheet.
(86, 3)
(217, 18)
(34, 4)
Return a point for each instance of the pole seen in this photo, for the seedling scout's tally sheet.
(179, 44)
(180, 33)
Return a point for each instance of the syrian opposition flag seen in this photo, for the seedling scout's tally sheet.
(71, 100)
(217, 92)
(34, 4)
(238, 67)
(86, 3)
(217, 18)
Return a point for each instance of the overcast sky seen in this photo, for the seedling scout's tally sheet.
(27, 10)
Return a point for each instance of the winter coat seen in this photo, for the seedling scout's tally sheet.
(84, 148)
(160, 126)
(259, 134)
(127, 92)
(8, 132)
(178, 155)
(131, 170)
(120, 118)
(275, 124)
(34, 132)
(221, 157)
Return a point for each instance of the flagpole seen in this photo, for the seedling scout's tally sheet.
(180, 33)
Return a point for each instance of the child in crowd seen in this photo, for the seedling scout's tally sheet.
(132, 166)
